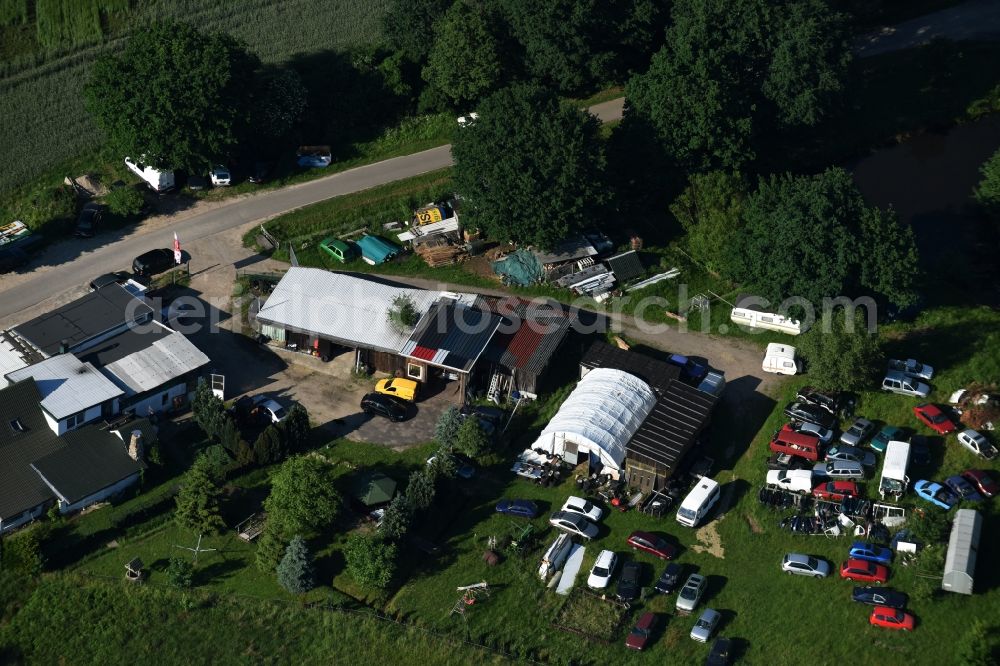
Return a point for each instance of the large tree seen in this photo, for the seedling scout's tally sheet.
(889, 258)
(841, 354)
(198, 499)
(728, 66)
(408, 26)
(710, 210)
(988, 191)
(303, 499)
(530, 169)
(464, 61)
(173, 97)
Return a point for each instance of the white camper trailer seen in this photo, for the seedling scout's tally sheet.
(780, 359)
(771, 321)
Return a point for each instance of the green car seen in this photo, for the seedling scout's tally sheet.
(885, 435)
(340, 250)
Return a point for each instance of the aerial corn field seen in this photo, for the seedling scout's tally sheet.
(49, 46)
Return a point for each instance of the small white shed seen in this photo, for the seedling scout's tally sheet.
(960, 564)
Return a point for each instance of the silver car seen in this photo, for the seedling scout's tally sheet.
(706, 625)
(573, 523)
(690, 594)
(839, 470)
(853, 453)
(824, 434)
(859, 431)
(805, 565)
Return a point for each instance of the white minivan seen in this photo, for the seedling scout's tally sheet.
(780, 359)
(698, 502)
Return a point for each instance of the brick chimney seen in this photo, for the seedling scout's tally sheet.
(135, 446)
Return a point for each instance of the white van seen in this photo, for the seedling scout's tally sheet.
(765, 320)
(780, 359)
(159, 181)
(894, 479)
(699, 502)
(794, 480)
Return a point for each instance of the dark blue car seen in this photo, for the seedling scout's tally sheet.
(690, 369)
(870, 552)
(879, 596)
(519, 508)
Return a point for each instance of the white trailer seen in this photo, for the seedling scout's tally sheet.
(894, 480)
(158, 181)
(780, 359)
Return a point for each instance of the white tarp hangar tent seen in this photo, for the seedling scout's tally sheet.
(598, 418)
(960, 564)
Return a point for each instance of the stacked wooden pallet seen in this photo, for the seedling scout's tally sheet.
(440, 251)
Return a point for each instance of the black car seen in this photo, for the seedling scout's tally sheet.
(920, 451)
(670, 578)
(390, 407)
(118, 277)
(197, 183)
(721, 654)
(879, 596)
(88, 220)
(628, 581)
(261, 172)
(828, 401)
(809, 413)
(156, 261)
(12, 257)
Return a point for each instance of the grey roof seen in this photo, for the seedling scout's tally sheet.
(123, 344)
(963, 545)
(626, 266)
(84, 319)
(570, 249)
(20, 487)
(656, 373)
(673, 425)
(346, 309)
(452, 335)
(91, 460)
(67, 385)
(166, 358)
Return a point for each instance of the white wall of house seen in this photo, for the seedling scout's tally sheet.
(156, 402)
(99, 496)
(22, 519)
(89, 415)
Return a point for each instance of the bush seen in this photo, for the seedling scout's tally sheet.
(180, 572)
(397, 518)
(296, 429)
(420, 490)
(124, 201)
(269, 447)
(270, 550)
(22, 553)
(446, 429)
(472, 440)
(371, 561)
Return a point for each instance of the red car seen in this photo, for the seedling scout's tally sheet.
(891, 618)
(641, 632)
(866, 571)
(982, 481)
(651, 544)
(932, 416)
(836, 490)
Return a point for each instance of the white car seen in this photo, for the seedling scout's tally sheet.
(219, 175)
(824, 434)
(583, 507)
(464, 121)
(276, 411)
(573, 523)
(977, 443)
(601, 572)
(794, 480)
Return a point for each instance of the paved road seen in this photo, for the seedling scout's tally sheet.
(63, 268)
(973, 20)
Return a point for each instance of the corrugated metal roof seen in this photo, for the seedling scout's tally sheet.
(164, 360)
(20, 487)
(626, 266)
(452, 335)
(91, 461)
(963, 544)
(673, 425)
(346, 309)
(68, 386)
(10, 360)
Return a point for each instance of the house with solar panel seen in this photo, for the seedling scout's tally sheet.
(482, 345)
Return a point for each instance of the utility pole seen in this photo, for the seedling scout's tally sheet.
(197, 549)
